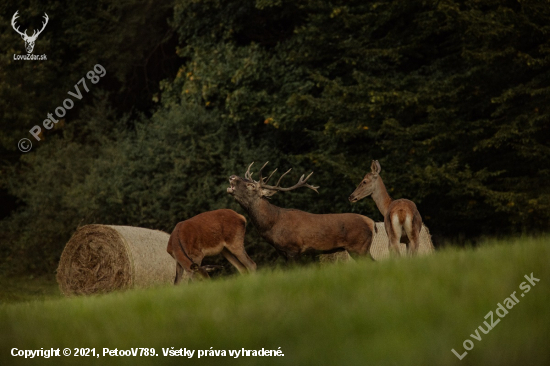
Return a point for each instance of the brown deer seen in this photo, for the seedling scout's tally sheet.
(401, 217)
(293, 232)
(208, 234)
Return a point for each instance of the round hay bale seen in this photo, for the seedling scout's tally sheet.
(104, 258)
(379, 248)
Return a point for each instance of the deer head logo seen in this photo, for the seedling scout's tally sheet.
(29, 41)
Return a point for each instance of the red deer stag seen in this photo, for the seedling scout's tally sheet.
(401, 217)
(293, 232)
(207, 234)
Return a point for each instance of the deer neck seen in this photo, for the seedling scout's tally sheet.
(263, 214)
(381, 197)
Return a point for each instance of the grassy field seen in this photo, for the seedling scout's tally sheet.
(399, 312)
(28, 289)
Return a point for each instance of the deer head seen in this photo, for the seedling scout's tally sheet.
(29, 41)
(368, 184)
(246, 190)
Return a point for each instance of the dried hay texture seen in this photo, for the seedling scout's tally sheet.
(379, 248)
(104, 258)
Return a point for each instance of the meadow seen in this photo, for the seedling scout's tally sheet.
(397, 312)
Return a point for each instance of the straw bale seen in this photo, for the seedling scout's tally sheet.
(104, 258)
(379, 249)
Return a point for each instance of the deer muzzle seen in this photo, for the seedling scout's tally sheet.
(231, 188)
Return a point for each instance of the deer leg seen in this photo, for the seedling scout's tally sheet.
(394, 246)
(243, 258)
(413, 233)
(393, 229)
(179, 273)
(233, 260)
(236, 254)
(413, 245)
(190, 263)
(182, 263)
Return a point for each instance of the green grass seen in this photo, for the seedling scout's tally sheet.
(399, 312)
(17, 289)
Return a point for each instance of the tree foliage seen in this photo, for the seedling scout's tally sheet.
(448, 95)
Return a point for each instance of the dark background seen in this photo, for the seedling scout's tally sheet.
(450, 96)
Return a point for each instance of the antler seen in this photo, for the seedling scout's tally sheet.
(15, 16)
(301, 183)
(248, 174)
(269, 177)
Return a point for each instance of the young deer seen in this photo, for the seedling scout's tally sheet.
(401, 217)
(208, 234)
(292, 232)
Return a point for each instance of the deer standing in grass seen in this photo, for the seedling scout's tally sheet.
(401, 217)
(208, 234)
(293, 232)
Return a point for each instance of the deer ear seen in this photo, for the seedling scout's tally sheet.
(251, 186)
(374, 167)
(378, 167)
(268, 192)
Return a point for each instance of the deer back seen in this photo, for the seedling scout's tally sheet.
(207, 232)
(302, 231)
